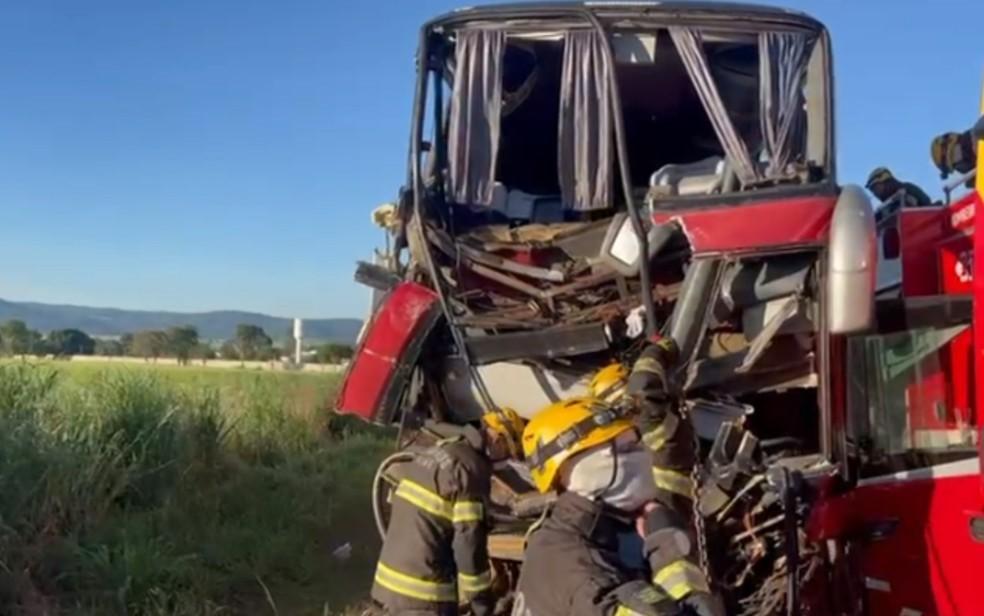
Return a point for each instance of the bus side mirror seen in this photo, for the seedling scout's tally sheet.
(891, 244)
(852, 257)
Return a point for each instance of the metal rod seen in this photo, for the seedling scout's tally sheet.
(417, 185)
(791, 532)
(623, 164)
(948, 187)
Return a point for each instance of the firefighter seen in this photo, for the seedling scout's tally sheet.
(954, 153)
(957, 152)
(668, 435)
(644, 393)
(435, 555)
(885, 186)
(593, 457)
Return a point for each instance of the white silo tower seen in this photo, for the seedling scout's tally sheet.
(298, 336)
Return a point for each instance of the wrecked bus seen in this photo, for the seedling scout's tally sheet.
(582, 175)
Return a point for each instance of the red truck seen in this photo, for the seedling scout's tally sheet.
(582, 174)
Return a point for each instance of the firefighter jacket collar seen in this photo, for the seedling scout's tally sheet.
(471, 435)
(474, 437)
(590, 519)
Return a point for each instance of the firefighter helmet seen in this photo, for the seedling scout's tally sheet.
(565, 428)
(953, 153)
(878, 176)
(508, 425)
(608, 384)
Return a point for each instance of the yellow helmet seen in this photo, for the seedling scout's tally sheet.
(507, 424)
(565, 428)
(608, 384)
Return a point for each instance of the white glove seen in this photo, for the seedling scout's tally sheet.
(635, 323)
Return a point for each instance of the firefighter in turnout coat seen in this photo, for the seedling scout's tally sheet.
(644, 394)
(593, 456)
(435, 556)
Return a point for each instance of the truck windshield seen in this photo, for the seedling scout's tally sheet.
(904, 408)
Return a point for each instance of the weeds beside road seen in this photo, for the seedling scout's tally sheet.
(180, 491)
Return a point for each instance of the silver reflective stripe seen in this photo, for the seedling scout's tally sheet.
(681, 578)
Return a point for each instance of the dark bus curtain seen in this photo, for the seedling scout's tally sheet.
(476, 109)
(585, 131)
(783, 60)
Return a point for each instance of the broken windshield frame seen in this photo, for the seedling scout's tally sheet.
(552, 22)
(602, 19)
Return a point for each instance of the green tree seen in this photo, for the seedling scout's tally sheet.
(149, 343)
(16, 337)
(204, 352)
(70, 342)
(229, 350)
(182, 341)
(109, 348)
(252, 342)
(126, 341)
(333, 353)
(36, 344)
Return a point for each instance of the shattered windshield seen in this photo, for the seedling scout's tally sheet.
(531, 115)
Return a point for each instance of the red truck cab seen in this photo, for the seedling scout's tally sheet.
(918, 501)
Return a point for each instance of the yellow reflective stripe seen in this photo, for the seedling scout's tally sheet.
(650, 365)
(423, 498)
(621, 610)
(656, 438)
(417, 588)
(681, 578)
(467, 511)
(675, 482)
(471, 584)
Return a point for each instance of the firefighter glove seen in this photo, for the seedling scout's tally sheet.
(664, 541)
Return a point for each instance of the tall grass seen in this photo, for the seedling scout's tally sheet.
(130, 493)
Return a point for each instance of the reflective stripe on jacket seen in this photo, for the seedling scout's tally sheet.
(435, 553)
(668, 436)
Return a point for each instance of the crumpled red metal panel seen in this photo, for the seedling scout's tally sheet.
(388, 348)
(751, 226)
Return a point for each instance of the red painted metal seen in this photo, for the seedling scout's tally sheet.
(977, 284)
(754, 226)
(927, 562)
(394, 327)
(922, 230)
(937, 248)
(956, 262)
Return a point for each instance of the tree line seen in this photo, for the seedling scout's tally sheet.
(182, 342)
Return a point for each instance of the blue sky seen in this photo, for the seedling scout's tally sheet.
(195, 155)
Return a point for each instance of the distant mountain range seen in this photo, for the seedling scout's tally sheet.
(220, 324)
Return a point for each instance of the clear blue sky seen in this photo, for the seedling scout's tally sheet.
(194, 155)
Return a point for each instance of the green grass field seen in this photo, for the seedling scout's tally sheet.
(180, 490)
